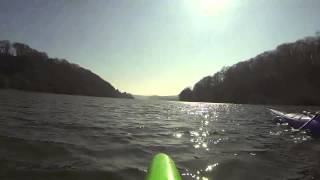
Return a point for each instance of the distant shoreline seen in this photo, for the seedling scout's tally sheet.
(52, 93)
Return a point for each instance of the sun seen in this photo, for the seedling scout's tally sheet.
(210, 7)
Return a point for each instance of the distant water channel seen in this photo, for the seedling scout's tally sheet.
(47, 136)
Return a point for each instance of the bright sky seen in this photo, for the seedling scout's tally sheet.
(156, 47)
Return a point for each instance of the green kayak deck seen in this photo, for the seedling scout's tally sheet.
(162, 168)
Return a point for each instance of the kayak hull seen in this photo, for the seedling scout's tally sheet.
(162, 168)
(296, 121)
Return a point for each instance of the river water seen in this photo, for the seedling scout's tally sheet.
(48, 136)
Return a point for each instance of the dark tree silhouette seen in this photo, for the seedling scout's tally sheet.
(186, 95)
(22, 67)
(287, 75)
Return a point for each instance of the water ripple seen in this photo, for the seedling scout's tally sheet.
(46, 136)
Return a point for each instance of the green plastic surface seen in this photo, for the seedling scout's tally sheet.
(162, 168)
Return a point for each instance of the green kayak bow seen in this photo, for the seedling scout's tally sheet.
(162, 168)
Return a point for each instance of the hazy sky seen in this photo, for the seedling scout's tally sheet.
(156, 46)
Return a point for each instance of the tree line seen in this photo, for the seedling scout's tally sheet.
(287, 75)
(22, 67)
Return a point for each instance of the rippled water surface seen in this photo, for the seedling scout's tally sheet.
(47, 136)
